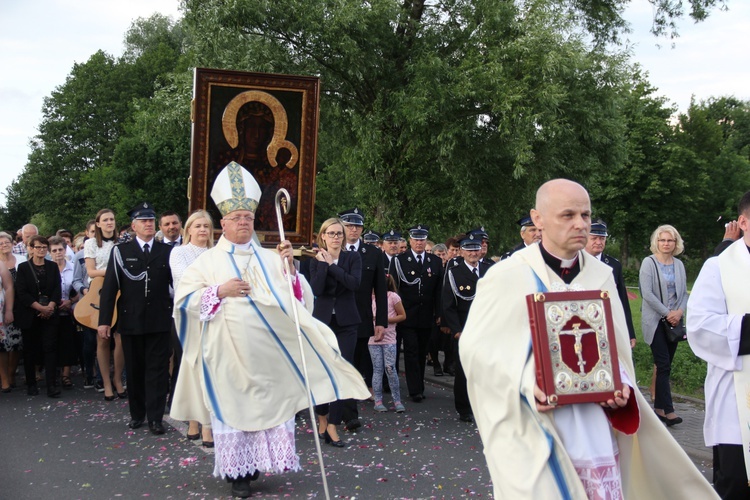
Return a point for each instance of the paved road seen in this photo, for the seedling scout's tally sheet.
(80, 447)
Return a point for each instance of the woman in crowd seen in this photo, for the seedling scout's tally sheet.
(663, 286)
(10, 343)
(37, 297)
(199, 237)
(97, 251)
(334, 276)
(6, 317)
(68, 344)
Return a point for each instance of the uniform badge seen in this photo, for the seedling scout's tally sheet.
(409, 259)
(461, 288)
(429, 272)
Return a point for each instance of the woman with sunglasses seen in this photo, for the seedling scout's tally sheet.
(334, 277)
(38, 293)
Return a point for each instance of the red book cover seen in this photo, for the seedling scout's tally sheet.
(573, 340)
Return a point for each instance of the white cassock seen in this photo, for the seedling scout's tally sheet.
(714, 335)
(241, 361)
(529, 453)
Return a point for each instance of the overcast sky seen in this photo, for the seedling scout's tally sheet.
(40, 40)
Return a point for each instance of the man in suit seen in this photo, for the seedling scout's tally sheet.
(459, 288)
(170, 226)
(595, 246)
(419, 276)
(530, 234)
(372, 281)
(139, 270)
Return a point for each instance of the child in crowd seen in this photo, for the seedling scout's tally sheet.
(383, 351)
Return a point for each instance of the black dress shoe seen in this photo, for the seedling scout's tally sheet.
(449, 372)
(156, 428)
(123, 394)
(437, 371)
(241, 487)
(207, 444)
(136, 423)
(417, 398)
(32, 390)
(673, 421)
(336, 444)
(53, 392)
(466, 418)
(353, 424)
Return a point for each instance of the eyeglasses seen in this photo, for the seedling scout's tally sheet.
(39, 247)
(338, 234)
(56, 250)
(666, 241)
(244, 218)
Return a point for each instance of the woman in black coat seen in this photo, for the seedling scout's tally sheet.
(38, 293)
(334, 277)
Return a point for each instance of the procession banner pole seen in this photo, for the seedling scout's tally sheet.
(283, 200)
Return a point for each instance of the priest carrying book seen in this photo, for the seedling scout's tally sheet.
(610, 445)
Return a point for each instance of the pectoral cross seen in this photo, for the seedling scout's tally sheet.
(578, 346)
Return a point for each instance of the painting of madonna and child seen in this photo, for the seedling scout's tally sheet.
(268, 124)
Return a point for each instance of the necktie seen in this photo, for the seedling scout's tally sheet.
(351, 248)
(145, 250)
(419, 260)
(476, 273)
(171, 243)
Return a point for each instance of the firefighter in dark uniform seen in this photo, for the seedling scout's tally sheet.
(485, 245)
(529, 235)
(418, 276)
(460, 286)
(595, 246)
(139, 270)
(372, 281)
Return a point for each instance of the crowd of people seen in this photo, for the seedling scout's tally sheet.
(204, 329)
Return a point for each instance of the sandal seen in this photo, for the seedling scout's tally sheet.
(67, 383)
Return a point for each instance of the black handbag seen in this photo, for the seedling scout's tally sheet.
(674, 333)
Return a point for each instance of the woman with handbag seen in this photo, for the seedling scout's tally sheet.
(38, 293)
(663, 286)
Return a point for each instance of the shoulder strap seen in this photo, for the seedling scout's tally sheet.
(658, 277)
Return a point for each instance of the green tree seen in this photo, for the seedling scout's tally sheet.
(633, 195)
(448, 112)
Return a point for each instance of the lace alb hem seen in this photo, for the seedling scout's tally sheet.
(238, 453)
(602, 480)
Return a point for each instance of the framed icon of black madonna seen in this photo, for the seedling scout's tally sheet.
(267, 123)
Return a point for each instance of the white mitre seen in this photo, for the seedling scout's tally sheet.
(235, 189)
